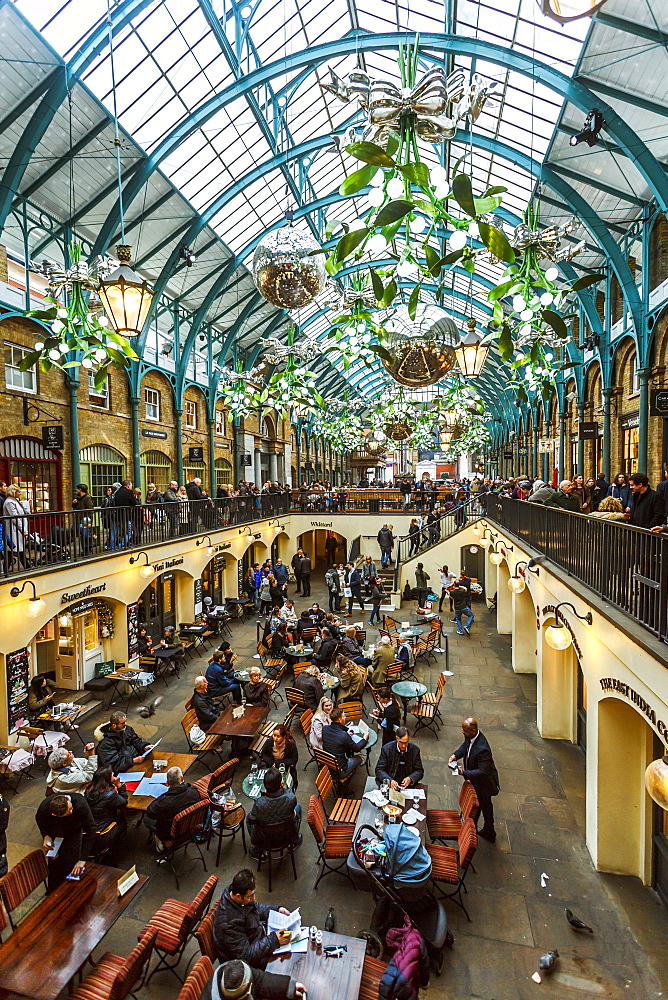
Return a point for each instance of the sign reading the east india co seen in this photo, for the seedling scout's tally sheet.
(613, 684)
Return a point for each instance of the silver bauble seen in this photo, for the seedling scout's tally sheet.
(283, 272)
(422, 349)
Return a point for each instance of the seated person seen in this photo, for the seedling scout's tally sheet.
(107, 798)
(220, 675)
(121, 746)
(279, 641)
(274, 621)
(353, 678)
(351, 648)
(316, 614)
(334, 625)
(288, 614)
(241, 981)
(384, 654)
(303, 622)
(320, 719)
(240, 925)
(282, 749)
(406, 655)
(275, 805)
(326, 650)
(308, 682)
(400, 762)
(69, 773)
(387, 715)
(204, 706)
(255, 690)
(179, 795)
(145, 642)
(40, 695)
(171, 641)
(337, 740)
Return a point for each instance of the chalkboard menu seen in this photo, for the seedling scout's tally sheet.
(133, 632)
(198, 597)
(18, 668)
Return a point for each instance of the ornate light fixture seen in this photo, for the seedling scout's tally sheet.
(558, 635)
(471, 352)
(517, 582)
(564, 11)
(126, 296)
(656, 781)
(284, 272)
(35, 606)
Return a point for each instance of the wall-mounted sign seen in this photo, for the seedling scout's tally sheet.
(195, 454)
(80, 594)
(658, 403)
(148, 432)
(545, 446)
(168, 564)
(198, 597)
(52, 437)
(523, 451)
(508, 455)
(18, 668)
(246, 460)
(613, 684)
(81, 607)
(321, 524)
(133, 632)
(633, 420)
(588, 431)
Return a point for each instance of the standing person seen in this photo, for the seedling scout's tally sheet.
(171, 500)
(461, 603)
(281, 574)
(69, 817)
(599, 491)
(386, 542)
(109, 516)
(354, 586)
(647, 510)
(447, 580)
(333, 588)
(265, 596)
(621, 490)
(415, 536)
(125, 503)
(563, 497)
(250, 587)
(422, 583)
(15, 527)
(81, 503)
(582, 493)
(377, 595)
(331, 545)
(478, 767)
(369, 571)
(296, 568)
(305, 575)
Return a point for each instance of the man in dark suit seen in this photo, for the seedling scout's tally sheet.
(400, 762)
(479, 768)
(337, 740)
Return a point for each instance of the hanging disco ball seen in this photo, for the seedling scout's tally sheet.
(422, 350)
(283, 272)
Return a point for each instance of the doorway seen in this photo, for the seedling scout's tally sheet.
(581, 721)
(659, 838)
(157, 609)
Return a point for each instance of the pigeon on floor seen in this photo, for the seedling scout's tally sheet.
(330, 920)
(546, 964)
(576, 923)
(146, 711)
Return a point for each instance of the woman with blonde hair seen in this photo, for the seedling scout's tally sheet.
(611, 509)
(320, 719)
(353, 678)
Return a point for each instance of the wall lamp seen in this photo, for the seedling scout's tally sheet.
(35, 605)
(274, 523)
(558, 635)
(242, 531)
(146, 570)
(497, 553)
(210, 548)
(517, 583)
(656, 780)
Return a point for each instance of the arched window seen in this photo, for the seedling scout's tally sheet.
(223, 470)
(101, 466)
(156, 467)
(194, 470)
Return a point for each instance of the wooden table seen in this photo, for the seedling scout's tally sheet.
(326, 977)
(54, 940)
(247, 725)
(366, 817)
(182, 760)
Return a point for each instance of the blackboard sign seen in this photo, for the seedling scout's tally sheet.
(104, 668)
(198, 597)
(133, 632)
(588, 431)
(196, 454)
(240, 578)
(18, 668)
(52, 437)
(658, 403)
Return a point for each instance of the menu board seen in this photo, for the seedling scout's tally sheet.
(198, 597)
(18, 669)
(133, 632)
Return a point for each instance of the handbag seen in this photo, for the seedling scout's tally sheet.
(196, 735)
(347, 592)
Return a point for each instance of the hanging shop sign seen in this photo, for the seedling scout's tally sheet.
(18, 668)
(219, 561)
(196, 454)
(133, 632)
(148, 432)
(198, 597)
(81, 607)
(246, 460)
(321, 524)
(613, 684)
(52, 437)
(588, 431)
(545, 446)
(658, 403)
(522, 451)
(508, 455)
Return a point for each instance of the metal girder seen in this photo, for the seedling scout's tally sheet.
(631, 27)
(165, 241)
(20, 108)
(600, 87)
(593, 182)
(570, 90)
(62, 161)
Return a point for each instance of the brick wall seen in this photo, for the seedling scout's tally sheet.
(658, 252)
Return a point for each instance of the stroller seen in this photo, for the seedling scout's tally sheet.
(400, 880)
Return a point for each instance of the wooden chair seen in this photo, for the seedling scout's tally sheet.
(360, 635)
(276, 838)
(449, 866)
(211, 744)
(309, 634)
(262, 737)
(328, 760)
(221, 776)
(342, 810)
(354, 711)
(333, 840)
(396, 672)
(295, 698)
(373, 971)
(187, 828)
(445, 824)
(299, 668)
(114, 977)
(173, 925)
(272, 687)
(426, 711)
(374, 692)
(426, 647)
(305, 722)
(22, 880)
(271, 664)
(201, 974)
(42, 741)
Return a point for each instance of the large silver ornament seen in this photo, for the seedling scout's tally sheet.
(548, 241)
(304, 350)
(283, 271)
(422, 349)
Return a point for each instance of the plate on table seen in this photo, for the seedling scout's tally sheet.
(413, 830)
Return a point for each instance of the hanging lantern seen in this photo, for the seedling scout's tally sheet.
(398, 431)
(283, 271)
(656, 781)
(421, 350)
(373, 447)
(471, 353)
(126, 297)
(569, 10)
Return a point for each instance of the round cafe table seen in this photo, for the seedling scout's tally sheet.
(253, 783)
(407, 690)
(411, 633)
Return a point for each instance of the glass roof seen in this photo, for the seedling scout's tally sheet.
(176, 55)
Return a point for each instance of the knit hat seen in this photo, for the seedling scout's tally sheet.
(235, 992)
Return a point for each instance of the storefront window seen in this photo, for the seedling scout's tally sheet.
(196, 470)
(24, 462)
(629, 450)
(91, 640)
(101, 466)
(223, 471)
(156, 468)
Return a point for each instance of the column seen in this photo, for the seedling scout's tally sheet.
(607, 408)
(562, 444)
(258, 469)
(134, 424)
(178, 475)
(273, 466)
(211, 426)
(236, 452)
(644, 376)
(534, 456)
(581, 444)
(72, 388)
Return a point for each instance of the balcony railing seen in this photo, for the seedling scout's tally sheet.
(624, 565)
(56, 538)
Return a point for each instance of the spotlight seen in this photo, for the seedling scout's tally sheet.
(186, 254)
(594, 123)
(167, 348)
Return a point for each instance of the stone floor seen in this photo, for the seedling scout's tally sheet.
(540, 822)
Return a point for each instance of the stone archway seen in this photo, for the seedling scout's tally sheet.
(524, 646)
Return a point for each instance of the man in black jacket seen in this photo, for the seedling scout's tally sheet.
(337, 740)
(479, 768)
(400, 762)
(354, 582)
(125, 518)
(67, 816)
(305, 575)
(238, 981)
(179, 795)
(385, 540)
(121, 746)
(275, 805)
(296, 563)
(240, 925)
(204, 706)
(647, 509)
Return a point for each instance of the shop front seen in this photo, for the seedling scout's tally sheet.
(26, 463)
(213, 580)
(70, 644)
(156, 608)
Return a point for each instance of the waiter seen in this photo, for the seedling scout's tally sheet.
(479, 768)
(69, 817)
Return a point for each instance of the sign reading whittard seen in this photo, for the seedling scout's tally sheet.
(86, 592)
(612, 684)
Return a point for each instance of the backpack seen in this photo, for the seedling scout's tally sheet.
(331, 581)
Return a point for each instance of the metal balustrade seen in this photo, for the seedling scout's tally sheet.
(624, 565)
